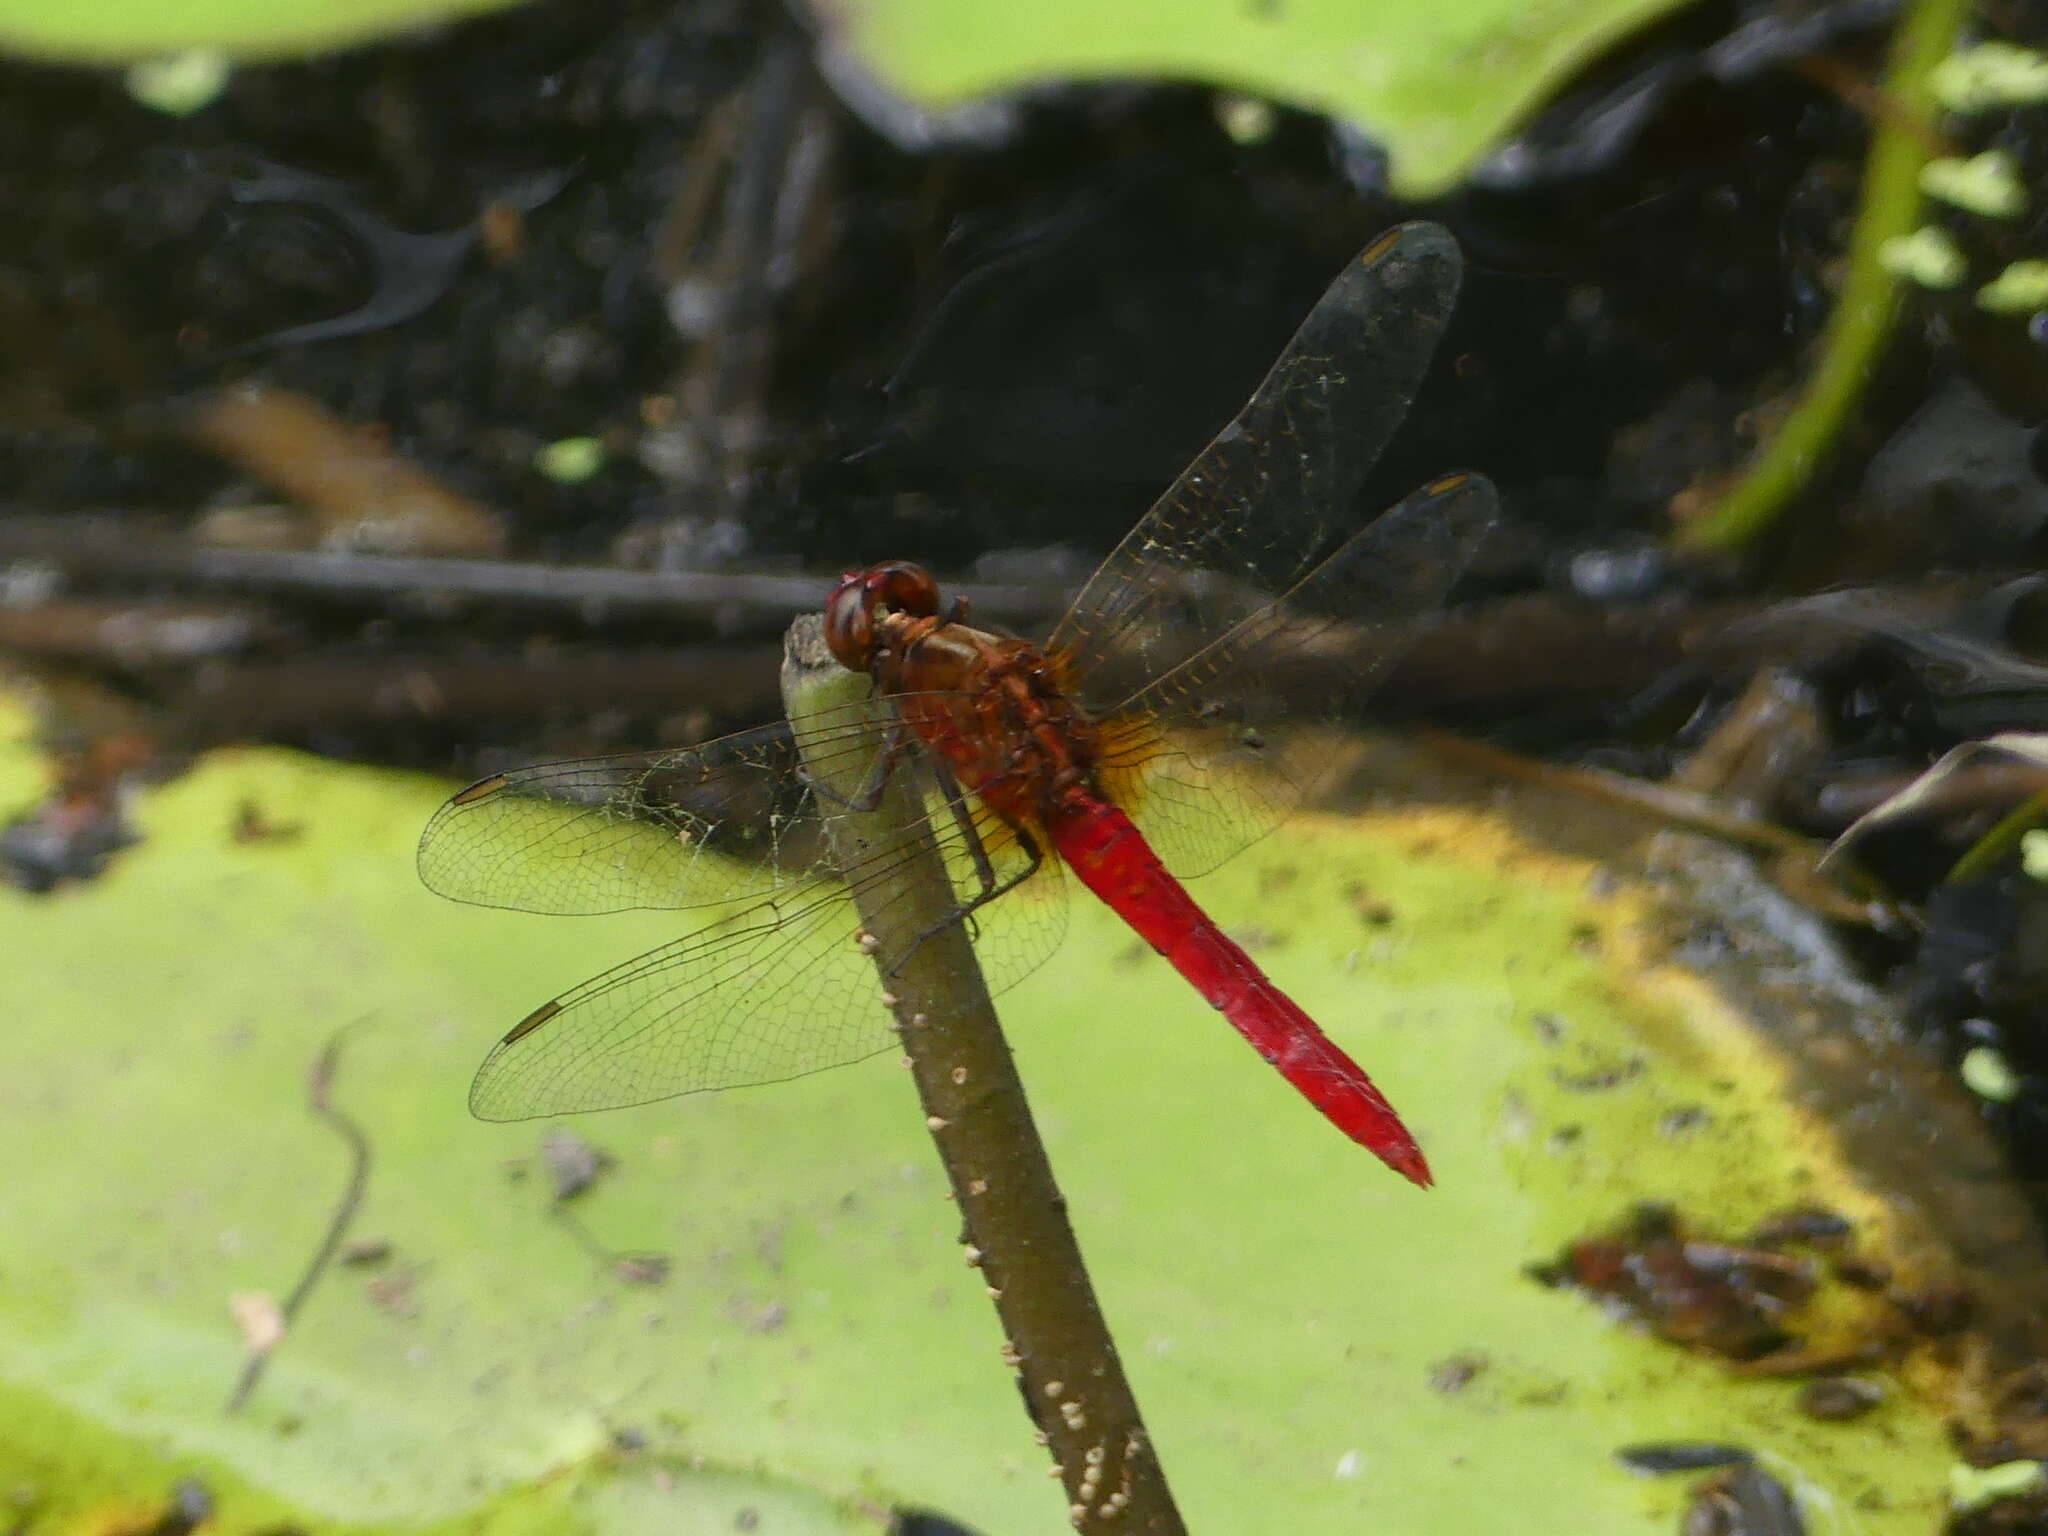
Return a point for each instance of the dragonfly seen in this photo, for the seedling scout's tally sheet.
(1141, 745)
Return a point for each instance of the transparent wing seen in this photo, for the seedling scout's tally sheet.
(1274, 489)
(1192, 756)
(726, 821)
(775, 991)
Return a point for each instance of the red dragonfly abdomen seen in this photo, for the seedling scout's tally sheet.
(1109, 856)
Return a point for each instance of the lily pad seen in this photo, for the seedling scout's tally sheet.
(817, 1350)
(119, 30)
(1436, 85)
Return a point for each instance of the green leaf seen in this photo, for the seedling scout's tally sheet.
(818, 1350)
(104, 31)
(1987, 184)
(1436, 84)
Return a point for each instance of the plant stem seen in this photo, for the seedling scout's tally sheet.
(1863, 314)
(1982, 856)
(1013, 1218)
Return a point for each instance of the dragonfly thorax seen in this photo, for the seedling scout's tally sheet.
(995, 708)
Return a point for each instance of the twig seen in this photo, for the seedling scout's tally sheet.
(1014, 1221)
(318, 1085)
(124, 546)
(1863, 315)
(132, 634)
(240, 700)
(630, 1266)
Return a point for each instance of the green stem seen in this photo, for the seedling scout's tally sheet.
(1863, 315)
(1013, 1218)
(1982, 855)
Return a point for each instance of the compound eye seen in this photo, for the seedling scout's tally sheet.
(896, 587)
(850, 622)
(905, 587)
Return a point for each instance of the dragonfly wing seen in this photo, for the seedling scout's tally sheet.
(730, 820)
(774, 991)
(640, 829)
(770, 993)
(1192, 756)
(1274, 489)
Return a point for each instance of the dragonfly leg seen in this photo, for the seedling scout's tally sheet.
(991, 888)
(970, 838)
(990, 885)
(869, 795)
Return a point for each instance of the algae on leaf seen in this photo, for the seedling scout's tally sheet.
(1286, 1308)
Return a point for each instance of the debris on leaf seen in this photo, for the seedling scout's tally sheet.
(1790, 1299)
(1833, 1399)
(1743, 1501)
(1971, 1488)
(573, 1163)
(258, 1319)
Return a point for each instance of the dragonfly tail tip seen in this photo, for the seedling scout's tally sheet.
(1409, 1162)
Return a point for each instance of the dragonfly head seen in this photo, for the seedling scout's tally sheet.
(896, 586)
